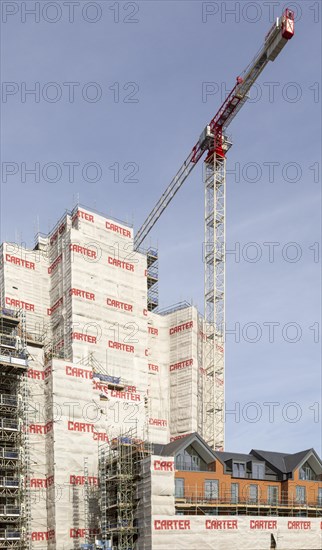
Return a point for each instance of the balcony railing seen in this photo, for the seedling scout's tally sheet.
(9, 510)
(195, 498)
(15, 359)
(10, 482)
(8, 400)
(9, 424)
(10, 454)
(9, 534)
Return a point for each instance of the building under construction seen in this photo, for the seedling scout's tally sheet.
(14, 451)
(100, 362)
(112, 426)
(121, 479)
(185, 494)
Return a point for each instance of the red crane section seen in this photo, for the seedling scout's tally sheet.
(211, 139)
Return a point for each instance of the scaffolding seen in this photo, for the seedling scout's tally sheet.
(91, 510)
(152, 278)
(14, 448)
(195, 501)
(214, 270)
(119, 471)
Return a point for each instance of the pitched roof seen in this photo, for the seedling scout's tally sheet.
(294, 460)
(284, 462)
(236, 457)
(175, 446)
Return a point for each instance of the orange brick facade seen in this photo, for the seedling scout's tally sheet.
(194, 485)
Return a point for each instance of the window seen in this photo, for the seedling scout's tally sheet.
(320, 496)
(306, 473)
(272, 494)
(190, 460)
(179, 487)
(258, 470)
(239, 469)
(234, 493)
(211, 488)
(253, 493)
(300, 494)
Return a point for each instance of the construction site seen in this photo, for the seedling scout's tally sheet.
(112, 409)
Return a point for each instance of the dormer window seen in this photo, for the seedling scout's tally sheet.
(306, 473)
(258, 470)
(239, 469)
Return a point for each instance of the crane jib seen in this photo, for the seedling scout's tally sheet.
(212, 138)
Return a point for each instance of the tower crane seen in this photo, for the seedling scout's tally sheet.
(215, 143)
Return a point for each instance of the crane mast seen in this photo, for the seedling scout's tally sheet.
(215, 143)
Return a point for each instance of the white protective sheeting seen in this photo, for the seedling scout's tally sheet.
(84, 292)
(235, 533)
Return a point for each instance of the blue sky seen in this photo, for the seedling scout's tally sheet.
(151, 112)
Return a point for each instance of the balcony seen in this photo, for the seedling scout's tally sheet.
(9, 454)
(8, 400)
(9, 424)
(11, 360)
(9, 510)
(190, 498)
(9, 482)
(9, 534)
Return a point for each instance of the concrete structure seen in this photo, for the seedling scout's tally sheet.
(99, 359)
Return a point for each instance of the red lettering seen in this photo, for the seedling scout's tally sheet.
(164, 465)
(83, 250)
(121, 264)
(43, 535)
(36, 374)
(83, 215)
(178, 437)
(42, 483)
(81, 480)
(126, 395)
(41, 429)
(153, 368)
(20, 304)
(181, 365)
(101, 436)
(82, 294)
(79, 373)
(221, 524)
(52, 310)
(121, 347)
(299, 525)
(158, 422)
(55, 263)
(84, 337)
(172, 524)
(81, 427)
(119, 305)
(59, 231)
(117, 229)
(262, 524)
(180, 328)
(20, 262)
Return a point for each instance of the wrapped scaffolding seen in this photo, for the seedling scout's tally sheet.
(14, 455)
(152, 278)
(119, 472)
